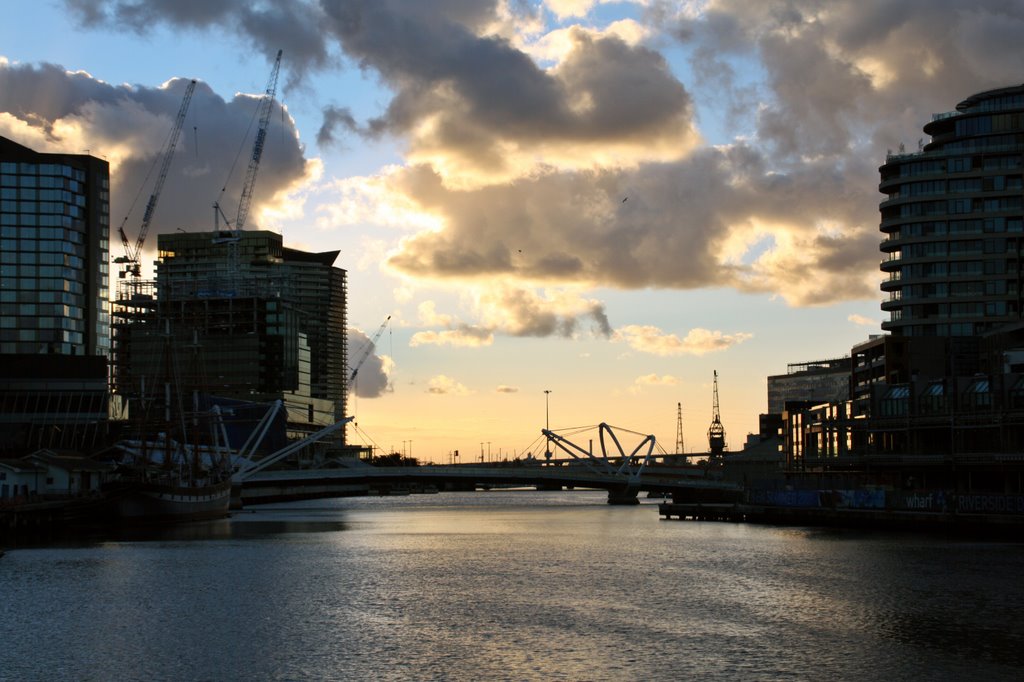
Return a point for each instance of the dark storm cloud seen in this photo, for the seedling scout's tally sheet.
(840, 72)
(335, 117)
(482, 93)
(129, 126)
(270, 25)
(485, 96)
(371, 380)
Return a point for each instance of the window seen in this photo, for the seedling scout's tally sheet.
(960, 164)
(894, 403)
(978, 394)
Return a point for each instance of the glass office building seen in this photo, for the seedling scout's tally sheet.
(54, 253)
(952, 219)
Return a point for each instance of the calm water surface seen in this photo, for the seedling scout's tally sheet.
(509, 585)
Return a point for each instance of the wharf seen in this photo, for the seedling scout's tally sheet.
(1004, 525)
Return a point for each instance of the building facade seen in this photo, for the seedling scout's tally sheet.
(819, 381)
(952, 220)
(938, 402)
(54, 253)
(264, 322)
(54, 291)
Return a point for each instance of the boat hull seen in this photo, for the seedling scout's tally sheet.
(148, 502)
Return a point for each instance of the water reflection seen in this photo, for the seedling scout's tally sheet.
(486, 586)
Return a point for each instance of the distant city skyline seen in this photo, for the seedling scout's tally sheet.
(607, 201)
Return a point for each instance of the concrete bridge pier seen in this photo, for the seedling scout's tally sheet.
(626, 495)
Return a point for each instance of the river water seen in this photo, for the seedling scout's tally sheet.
(508, 585)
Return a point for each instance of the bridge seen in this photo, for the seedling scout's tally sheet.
(623, 475)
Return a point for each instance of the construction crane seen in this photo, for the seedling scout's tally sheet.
(716, 432)
(266, 105)
(365, 351)
(131, 261)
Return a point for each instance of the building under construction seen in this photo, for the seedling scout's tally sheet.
(241, 318)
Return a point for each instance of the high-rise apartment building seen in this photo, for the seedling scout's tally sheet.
(952, 219)
(54, 307)
(263, 322)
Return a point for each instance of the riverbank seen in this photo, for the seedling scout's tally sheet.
(937, 510)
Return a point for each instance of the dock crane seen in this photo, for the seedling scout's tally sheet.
(131, 261)
(716, 432)
(364, 353)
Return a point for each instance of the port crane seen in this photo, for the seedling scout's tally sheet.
(365, 351)
(679, 429)
(716, 432)
(131, 261)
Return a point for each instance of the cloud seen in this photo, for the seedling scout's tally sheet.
(335, 117)
(651, 380)
(526, 312)
(863, 321)
(359, 200)
(683, 225)
(698, 341)
(464, 336)
(294, 26)
(511, 311)
(54, 110)
(372, 378)
(476, 108)
(655, 380)
(444, 385)
(506, 389)
(525, 127)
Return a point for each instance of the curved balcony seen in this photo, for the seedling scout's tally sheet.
(890, 264)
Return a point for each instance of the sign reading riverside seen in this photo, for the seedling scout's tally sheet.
(990, 504)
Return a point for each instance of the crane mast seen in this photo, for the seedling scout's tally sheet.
(266, 105)
(716, 432)
(131, 262)
(367, 349)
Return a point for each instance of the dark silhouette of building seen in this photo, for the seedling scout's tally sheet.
(54, 307)
(939, 401)
(249, 319)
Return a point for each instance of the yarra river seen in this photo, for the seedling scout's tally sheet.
(509, 585)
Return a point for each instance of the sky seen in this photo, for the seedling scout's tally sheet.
(609, 201)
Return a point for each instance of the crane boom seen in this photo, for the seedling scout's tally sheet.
(367, 349)
(266, 105)
(132, 260)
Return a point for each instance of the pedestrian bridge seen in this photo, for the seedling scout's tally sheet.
(277, 485)
(623, 475)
